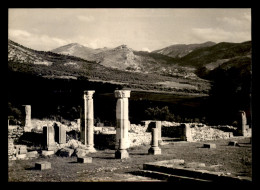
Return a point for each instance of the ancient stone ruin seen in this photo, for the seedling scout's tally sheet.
(121, 137)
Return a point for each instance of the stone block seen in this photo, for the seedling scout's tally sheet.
(81, 152)
(210, 145)
(21, 151)
(21, 156)
(32, 154)
(65, 152)
(84, 159)
(47, 152)
(232, 143)
(43, 165)
(121, 154)
(154, 151)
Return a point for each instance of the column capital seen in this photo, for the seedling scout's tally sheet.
(122, 93)
(88, 94)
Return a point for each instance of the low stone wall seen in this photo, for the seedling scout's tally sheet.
(199, 131)
(37, 124)
(208, 133)
(14, 132)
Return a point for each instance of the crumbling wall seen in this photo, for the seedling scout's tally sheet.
(199, 131)
(138, 135)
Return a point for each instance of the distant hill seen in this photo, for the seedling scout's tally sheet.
(78, 50)
(180, 50)
(127, 59)
(216, 55)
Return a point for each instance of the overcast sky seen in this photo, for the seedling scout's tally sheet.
(140, 29)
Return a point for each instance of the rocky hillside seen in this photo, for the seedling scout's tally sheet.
(75, 49)
(216, 55)
(180, 50)
(55, 66)
(127, 59)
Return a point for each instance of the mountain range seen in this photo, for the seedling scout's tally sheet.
(180, 50)
(174, 68)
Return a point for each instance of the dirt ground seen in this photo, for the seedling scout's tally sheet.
(234, 160)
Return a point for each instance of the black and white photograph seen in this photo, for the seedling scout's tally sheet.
(130, 95)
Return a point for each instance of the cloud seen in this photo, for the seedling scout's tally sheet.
(247, 16)
(18, 33)
(85, 18)
(36, 41)
(220, 35)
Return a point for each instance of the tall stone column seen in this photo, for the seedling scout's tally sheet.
(88, 124)
(122, 123)
(154, 150)
(27, 125)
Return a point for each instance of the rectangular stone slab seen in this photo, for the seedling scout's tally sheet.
(210, 145)
(84, 159)
(43, 165)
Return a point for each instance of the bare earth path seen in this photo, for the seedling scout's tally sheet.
(234, 160)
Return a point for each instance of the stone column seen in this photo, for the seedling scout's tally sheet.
(60, 134)
(89, 120)
(158, 125)
(242, 123)
(49, 139)
(27, 125)
(122, 123)
(154, 144)
(186, 133)
(78, 123)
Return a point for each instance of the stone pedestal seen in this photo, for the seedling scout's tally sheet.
(121, 152)
(154, 150)
(122, 120)
(60, 134)
(27, 122)
(87, 126)
(48, 135)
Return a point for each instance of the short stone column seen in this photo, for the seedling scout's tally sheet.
(60, 134)
(242, 123)
(48, 138)
(88, 125)
(27, 123)
(158, 125)
(78, 124)
(186, 133)
(122, 123)
(154, 144)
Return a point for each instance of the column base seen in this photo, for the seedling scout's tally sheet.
(154, 151)
(121, 154)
